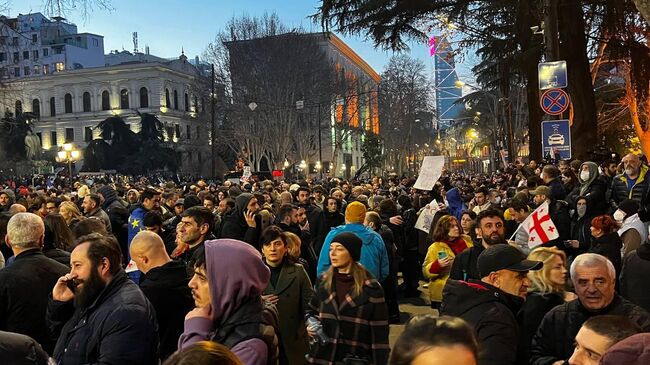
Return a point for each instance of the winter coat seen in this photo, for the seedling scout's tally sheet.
(235, 226)
(595, 195)
(557, 189)
(373, 251)
(358, 326)
(294, 291)
(633, 233)
(559, 212)
(58, 255)
(24, 288)
(465, 266)
(634, 277)
(555, 335)
(530, 316)
(609, 246)
(638, 192)
(166, 288)
(101, 214)
(580, 231)
(438, 280)
(17, 349)
(316, 219)
(118, 327)
(492, 314)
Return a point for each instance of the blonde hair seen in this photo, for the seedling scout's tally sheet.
(358, 272)
(541, 279)
(293, 243)
(71, 208)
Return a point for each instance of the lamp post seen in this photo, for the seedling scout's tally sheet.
(68, 154)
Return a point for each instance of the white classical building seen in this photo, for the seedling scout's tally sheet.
(71, 99)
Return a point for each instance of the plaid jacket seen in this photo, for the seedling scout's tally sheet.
(359, 326)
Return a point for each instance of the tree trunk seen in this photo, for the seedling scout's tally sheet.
(584, 131)
(633, 106)
(644, 9)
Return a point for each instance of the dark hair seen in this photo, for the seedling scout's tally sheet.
(148, 193)
(100, 247)
(271, 233)
(152, 218)
(229, 202)
(210, 197)
(339, 204)
(375, 219)
(483, 190)
(96, 199)
(470, 213)
(605, 223)
(284, 210)
(517, 205)
(56, 201)
(440, 231)
(489, 213)
(551, 171)
(60, 235)
(303, 188)
(388, 207)
(615, 328)
(201, 215)
(89, 225)
(204, 353)
(168, 194)
(426, 331)
(405, 202)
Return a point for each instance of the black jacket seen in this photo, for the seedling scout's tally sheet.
(559, 212)
(530, 316)
(58, 255)
(555, 335)
(634, 276)
(596, 197)
(17, 349)
(557, 189)
(166, 288)
(465, 266)
(609, 246)
(580, 231)
(119, 327)
(24, 288)
(492, 314)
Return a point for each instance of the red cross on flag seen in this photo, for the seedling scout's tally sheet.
(541, 228)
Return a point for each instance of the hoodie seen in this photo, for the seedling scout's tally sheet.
(492, 314)
(237, 276)
(235, 226)
(455, 203)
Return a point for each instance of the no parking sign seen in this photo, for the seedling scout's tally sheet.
(554, 101)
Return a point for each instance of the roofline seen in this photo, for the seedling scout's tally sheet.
(352, 55)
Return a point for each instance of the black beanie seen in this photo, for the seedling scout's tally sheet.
(629, 206)
(351, 242)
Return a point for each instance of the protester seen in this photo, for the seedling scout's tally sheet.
(634, 276)
(70, 213)
(631, 184)
(490, 305)
(434, 341)
(633, 232)
(92, 208)
(606, 241)
(193, 230)
(552, 178)
(558, 210)
(597, 335)
(229, 308)
(242, 223)
(592, 188)
(104, 317)
(17, 349)
(349, 303)
(480, 202)
(164, 283)
(204, 353)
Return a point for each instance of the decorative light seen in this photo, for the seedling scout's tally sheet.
(75, 154)
(67, 146)
(62, 155)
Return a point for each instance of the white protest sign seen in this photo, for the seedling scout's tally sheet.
(426, 217)
(430, 172)
(246, 174)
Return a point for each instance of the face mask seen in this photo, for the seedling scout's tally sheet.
(584, 175)
(497, 200)
(581, 210)
(619, 215)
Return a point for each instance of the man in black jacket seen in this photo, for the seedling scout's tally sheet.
(105, 318)
(491, 305)
(491, 224)
(594, 279)
(165, 285)
(26, 284)
(559, 212)
(195, 228)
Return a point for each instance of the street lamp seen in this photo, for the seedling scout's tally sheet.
(68, 154)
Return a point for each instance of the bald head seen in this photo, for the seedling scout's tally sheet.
(148, 251)
(17, 208)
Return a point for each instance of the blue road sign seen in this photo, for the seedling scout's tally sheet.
(556, 138)
(554, 101)
(552, 75)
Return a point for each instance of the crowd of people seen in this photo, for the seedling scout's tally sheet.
(143, 271)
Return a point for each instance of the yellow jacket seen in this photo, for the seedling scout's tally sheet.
(437, 281)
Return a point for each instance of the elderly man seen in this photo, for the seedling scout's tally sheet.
(491, 304)
(594, 279)
(26, 284)
(631, 184)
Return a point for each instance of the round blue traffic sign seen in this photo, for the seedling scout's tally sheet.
(554, 101)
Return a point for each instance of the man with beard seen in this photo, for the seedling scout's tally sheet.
(99, 314)
(631, 184)
(92, 207)
(25, 285)
(315, 216)
(492, 227)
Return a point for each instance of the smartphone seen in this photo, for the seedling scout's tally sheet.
(71, 286)
(442, 255)
(567, 243)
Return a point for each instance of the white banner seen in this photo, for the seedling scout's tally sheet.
(426, 216)
(430, 172)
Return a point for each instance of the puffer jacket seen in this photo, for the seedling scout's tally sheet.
(638, 192)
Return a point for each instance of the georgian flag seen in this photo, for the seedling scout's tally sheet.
(541, 228)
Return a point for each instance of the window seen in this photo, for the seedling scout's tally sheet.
(187, 103)
(52, 107)
(68, 103)
(86, 102)
(69, 135)
(144, 97)
(3, 56)
(16, 71)
(175, 99)
(14, 41)
(37, 69)
(46, 52)
(168, 104)
(124, 99)
(40, 138)
(26, 70)
(34, 38)
(36, 107)
(178, 131)
(25, 55)
(19, 108)
(3, 40)
(59, 66)
(106, 100)
(16, 57)
(95, 42)
(188, 131)
(88, 134)
(35, 54)
(53, 140)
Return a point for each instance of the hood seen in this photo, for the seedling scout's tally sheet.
(593, 176)
(10, 193)
(241, 202)
(247, 275)
(455, 201)
(630, 351)
(109, 194)
(462, 296)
